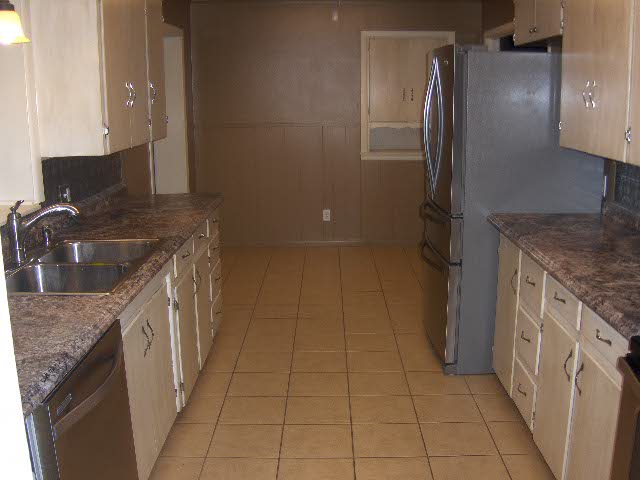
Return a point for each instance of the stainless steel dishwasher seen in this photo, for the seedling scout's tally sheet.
(83, 430)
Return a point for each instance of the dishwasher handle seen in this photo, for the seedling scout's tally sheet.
(78, 413)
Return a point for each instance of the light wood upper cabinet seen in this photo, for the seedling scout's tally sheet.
(537, 20)
(188, 332)
(506, 310)
(595, 418)
(155, 65)
(555, 393)
(149, 365)
(395, 70)
(596, 74)
(90, 76)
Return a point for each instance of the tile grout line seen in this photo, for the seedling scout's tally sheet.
(217, 422)
(346, 360)
(293, 349)
(486, 424)
(404, 371)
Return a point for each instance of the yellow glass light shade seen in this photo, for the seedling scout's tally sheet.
(11, 28)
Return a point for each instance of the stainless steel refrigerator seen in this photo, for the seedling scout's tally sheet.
(492, 145)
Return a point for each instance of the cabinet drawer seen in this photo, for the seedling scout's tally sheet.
(562, 301)
(524, 393)
(216, 279)
(531, 286)
(216, 313)
(201, 237)
(184, 258)
(603, 336)
(528, 341)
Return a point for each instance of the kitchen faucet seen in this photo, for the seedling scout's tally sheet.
(19, 227)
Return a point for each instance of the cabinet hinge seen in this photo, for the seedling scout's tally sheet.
(627, 135)
(176, 305)
(542, 328)
(182, 386)
(559, 125)
(106, 130)
(168, 301)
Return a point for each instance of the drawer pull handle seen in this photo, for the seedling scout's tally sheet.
(580, 370)
(515, 274)
(559, 299)
(528, 340)
(565, 365)
(522, 392)
(218, 278)
(533, 284)
(218, 313)
(202, 235)
(188, 254)
(603, 340)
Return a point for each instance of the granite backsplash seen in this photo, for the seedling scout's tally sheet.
(85, 176)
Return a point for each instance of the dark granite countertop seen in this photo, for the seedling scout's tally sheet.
(52, 334)
(594, 256)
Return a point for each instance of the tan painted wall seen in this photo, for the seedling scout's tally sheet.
(277, 115)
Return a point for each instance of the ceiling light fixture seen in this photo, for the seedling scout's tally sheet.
(10, 25)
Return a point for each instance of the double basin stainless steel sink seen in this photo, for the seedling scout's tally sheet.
(81, 268)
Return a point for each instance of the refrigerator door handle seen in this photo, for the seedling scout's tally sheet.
(426, 125)
(435, 86)
(444, 262)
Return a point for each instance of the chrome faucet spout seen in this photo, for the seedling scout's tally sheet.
(19, 227)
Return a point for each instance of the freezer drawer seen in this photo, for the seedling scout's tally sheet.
(443, 232)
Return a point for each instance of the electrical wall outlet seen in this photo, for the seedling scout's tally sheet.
(326, 215)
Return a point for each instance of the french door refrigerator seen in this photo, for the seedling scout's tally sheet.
(491, 139)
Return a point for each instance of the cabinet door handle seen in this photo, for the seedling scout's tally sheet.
(592, 94)
(202, 235)
(559, 299)
(154, 94)
(580, 370)
(148, 345)
(198, 282)
(129, 94)
(528, 340)
(565, 365)
(151, 330)
(513, 277)
(404, 94)
(602, 339)
(533, 284)
(522, 392)
(412, 94)
(188, 254)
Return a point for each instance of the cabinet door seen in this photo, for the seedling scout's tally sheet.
(548, 20)
(524, 20)
(116, 30)
(188, 331)
(138, 74)
(634, 114)
(611, 37)
(578, 123)
(203, 303)
(388, 93)
(506, 311)
(555, 392)
(138, 364)
(164, 389)
(155, 60)
(595, 419)
(596, 76)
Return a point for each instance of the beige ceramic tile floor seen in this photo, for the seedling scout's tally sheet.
(321, 371)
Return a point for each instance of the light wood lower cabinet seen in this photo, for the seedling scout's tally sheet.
(506, 310)
(203, 306)
(149, 367)
(572, 403)
(187, 333)
(595, 418)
